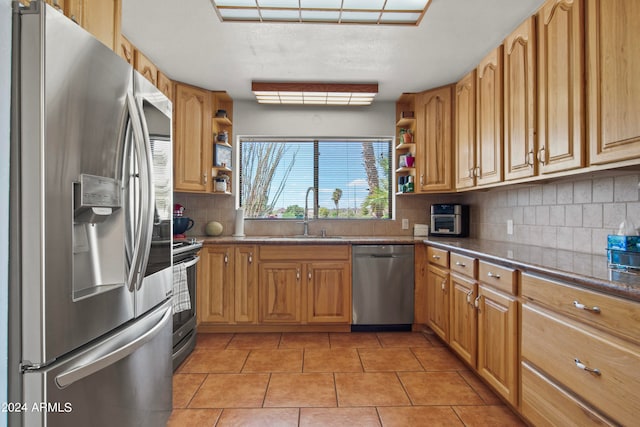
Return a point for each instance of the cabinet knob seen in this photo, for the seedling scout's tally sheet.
(443, 285)
(494, 275)
(226, 258)
(541, 159)
(469, 297)
(461, 264)
(297, 273)
(250, 257)
(476, 302)
(435, 256)
(594, 371)
(594, 309)
(309, 275)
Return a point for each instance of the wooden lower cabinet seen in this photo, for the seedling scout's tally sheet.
(227, 285)
(245, 295)
(281, 289)
(544, 403)
(463, 318)
(237, 289)
(498, 341)
(438, 301)
(215, 285)
(329, 292)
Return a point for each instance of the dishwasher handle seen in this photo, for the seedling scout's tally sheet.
(385, 256)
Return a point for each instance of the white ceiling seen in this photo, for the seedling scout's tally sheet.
(187, 41)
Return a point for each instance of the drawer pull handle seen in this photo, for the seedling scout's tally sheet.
(594, 371)
(443, 285)
(461, 264)
(594, 309)
(495, 276)
(436, 256)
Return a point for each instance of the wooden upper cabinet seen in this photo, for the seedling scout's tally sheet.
(126, 50)
(613, 86)
(145, 67)
(434, 146)
(519, 101)
(192, 139)
(465, 131)
(561, 137)
(74, 10)
(165, 85)
(102, 19)
(489, 118)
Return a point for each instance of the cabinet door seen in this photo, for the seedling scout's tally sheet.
(329, 292)
(420, 273)
(102, 19)
(465, 122)
(438, 301)
(192, 132)
(613, 87)
(489, 118)
(144, 66)
(497, 341)
(463, 319)
(519, 101)
(165, 85)
(245, 285)
(280, 298)
(74, 9)
(434, 143)
(126, 50)
(561, 137)
(215, 284)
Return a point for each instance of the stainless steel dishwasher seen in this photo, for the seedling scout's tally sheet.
(382, 287)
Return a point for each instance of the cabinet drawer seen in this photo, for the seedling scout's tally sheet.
(438, 256)
(304, 252)
(503, 278)
(464, 265)
(621, 316)
(557, 345)
(544, 403)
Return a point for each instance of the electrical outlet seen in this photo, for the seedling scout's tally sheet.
(509, 226)
(405, 224)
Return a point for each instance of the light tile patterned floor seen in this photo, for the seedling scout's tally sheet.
(330, 379)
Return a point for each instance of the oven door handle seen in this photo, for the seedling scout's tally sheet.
(192, 262)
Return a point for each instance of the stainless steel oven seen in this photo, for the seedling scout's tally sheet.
(185, 254)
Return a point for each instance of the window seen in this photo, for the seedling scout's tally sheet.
(350, 178)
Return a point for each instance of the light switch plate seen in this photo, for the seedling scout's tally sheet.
(405, 224)
(509, 226)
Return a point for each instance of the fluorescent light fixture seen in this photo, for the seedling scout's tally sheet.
(314, 93)
(364, 12)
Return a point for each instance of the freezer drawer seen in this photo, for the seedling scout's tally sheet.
(122, 380)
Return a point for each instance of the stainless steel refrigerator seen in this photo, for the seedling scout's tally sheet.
(90, 241)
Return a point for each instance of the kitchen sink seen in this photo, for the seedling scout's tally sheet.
(301, 236)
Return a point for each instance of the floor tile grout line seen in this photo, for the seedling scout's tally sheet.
(404, 388)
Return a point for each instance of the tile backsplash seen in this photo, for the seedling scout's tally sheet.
(573, 213)
(203, 208)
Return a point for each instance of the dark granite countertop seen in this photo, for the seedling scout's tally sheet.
(315, 240)
(587, 270)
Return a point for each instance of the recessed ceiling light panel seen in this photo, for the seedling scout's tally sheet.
(314, 93)
(365, 12)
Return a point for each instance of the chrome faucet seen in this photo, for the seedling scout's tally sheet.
(306, 211)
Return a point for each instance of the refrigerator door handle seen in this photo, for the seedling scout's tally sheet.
(148, 215)
(144, 230)
(102, 360)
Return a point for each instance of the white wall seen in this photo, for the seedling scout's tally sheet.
(251, 118)
(5, 99)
